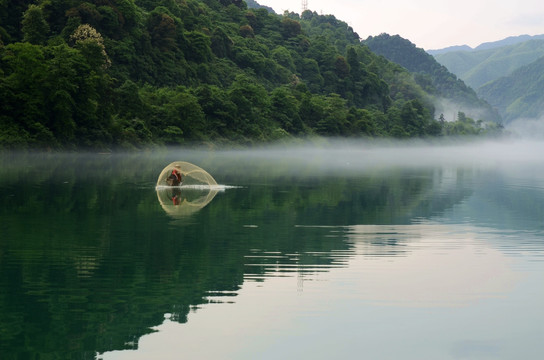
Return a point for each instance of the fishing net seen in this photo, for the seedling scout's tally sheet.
(192, 175)
(197, 190)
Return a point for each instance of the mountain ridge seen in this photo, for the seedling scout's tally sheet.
(481, 66)
(519, 94)
(511, 40)
(428, 70)
(508, 77)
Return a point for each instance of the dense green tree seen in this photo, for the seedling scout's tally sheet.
(91, 44)
(53, 94)
(311, 110)
(128, 101)
(283, 57)
(252, 106)
(34, 27)
(334, 121)
(284, 110)
(65, 65)
(311, 73)
(290, 28)
(25, 70)
(221, 43)
(198, 46)
(341, 67)
(219, 110)
(247, 31)
(413, 118)
(162, 30)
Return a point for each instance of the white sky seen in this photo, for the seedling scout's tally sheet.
(431, 24)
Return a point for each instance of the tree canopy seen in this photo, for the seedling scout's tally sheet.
(124, 73)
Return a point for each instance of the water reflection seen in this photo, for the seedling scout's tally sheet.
(90, 258)
(414, 282)
(429, 265)
(182, 202)
(411, 265)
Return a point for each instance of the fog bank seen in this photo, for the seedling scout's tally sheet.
(358, 155)
(527, 128)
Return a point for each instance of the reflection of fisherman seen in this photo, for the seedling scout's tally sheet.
(176, 196)
(175, 178)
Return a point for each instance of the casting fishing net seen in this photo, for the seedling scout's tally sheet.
(192, 175)
(196, 190)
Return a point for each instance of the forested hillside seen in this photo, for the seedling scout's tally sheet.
(131, 73)
(519, 95)
(429, 74)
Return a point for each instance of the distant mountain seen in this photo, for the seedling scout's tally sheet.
(487, 45)
(478, 67)
(450, 49)
(429, 74)
(520, 94)
(512, 40)
(252, 4)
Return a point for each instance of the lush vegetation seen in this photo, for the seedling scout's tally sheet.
(108, 73)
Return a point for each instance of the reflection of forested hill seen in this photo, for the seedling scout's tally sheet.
(502, 201)
(91, 259)
(121, 73)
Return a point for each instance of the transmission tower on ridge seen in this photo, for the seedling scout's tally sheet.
(304, 5)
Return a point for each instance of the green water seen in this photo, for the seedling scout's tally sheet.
(353, 252)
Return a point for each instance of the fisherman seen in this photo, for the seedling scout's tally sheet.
(175, 178)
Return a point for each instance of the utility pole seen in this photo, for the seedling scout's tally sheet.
(304, 5)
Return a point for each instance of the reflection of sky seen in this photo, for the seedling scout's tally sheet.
(447, 293)
(440, 266)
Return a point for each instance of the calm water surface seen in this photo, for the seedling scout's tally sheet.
(345, 251)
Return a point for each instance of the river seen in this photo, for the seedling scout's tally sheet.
(314, 251)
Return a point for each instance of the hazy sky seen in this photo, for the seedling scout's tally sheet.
(431, 24)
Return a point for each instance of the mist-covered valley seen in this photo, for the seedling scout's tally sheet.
(506, 73)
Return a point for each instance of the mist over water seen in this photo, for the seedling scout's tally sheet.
(345, 156)
(321, 249)
(326, 154)
(450, 110)
(527, 128)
